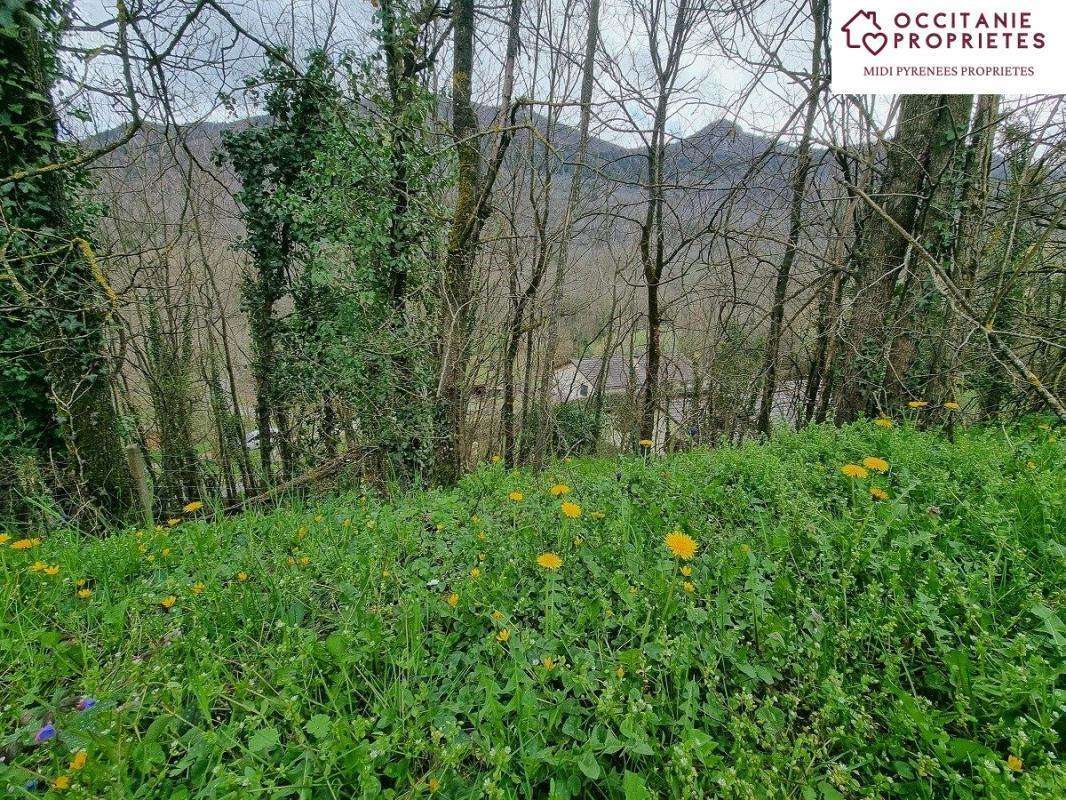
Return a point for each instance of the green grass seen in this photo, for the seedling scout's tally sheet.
(833, 646)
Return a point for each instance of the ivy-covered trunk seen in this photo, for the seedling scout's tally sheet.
(914, 159)
(459, 262)
(170, 388)
(56, 383)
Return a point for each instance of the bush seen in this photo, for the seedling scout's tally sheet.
(577, 430)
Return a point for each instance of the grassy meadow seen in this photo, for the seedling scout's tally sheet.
(754, 622)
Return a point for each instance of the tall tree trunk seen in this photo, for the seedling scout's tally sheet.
(471, 210)
(969, 241)
(799, 189)
(459, 262)
(651, 231)
(563, 253)
(67, 301)
(914, 159)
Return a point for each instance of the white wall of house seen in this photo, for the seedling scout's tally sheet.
(570, 384)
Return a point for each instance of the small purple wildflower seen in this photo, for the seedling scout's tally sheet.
(45, 733)
(86, 703)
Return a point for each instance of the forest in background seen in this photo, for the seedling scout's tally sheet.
(375, 265)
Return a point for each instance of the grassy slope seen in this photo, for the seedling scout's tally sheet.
(833, 645)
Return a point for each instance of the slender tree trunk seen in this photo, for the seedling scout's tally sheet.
(799, 190)
(652, 244)
(970, 237)
(459, 262)
(471, 209)
(563, 252)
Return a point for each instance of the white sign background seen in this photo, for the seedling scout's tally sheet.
(949, 70)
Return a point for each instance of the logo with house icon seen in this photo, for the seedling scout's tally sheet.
(862, 30)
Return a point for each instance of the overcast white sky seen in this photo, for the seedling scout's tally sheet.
(222, 59)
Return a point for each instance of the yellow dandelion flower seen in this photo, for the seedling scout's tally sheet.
(620, 672)
(346, 523)
(142, 548)
(878, 494)
(951, 405)
(24, 544)
(646, 443)
(61, 783)
(4, 538)
(559, 489)
(496, 459)
(304, 560)
(518, 497)
(197, 588)
(168, 602)
(165, 552)
(433, 784)
(681, 544)
(854, 471)
(549, 561)
(173, 521)
(503, 635)
(38, 566)
(548, 663)
(242, 576)
(1014, 764)
(79, 760)
(385, 573)
(917, 404)
(85, 594)
(51, 571)
(453, 600)
(193, 507)
(497, 616)
(686, 570)
(876, 464)
(481, 536)
(475, 573)
(570, 510)
(688, 586)
(1030, 464)
(883, 422)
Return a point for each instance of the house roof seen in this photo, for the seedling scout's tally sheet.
(617, 375)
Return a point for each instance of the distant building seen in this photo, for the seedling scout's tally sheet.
(577, 378)
(621, 376)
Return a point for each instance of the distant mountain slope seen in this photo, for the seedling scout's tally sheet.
(720, 153)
